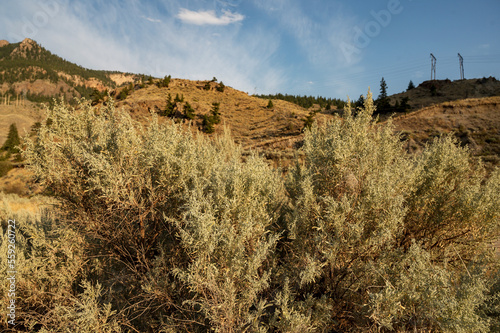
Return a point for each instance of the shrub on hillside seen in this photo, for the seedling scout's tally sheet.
(51, 294)
(382, 238)
(181, 225)
(184, 236)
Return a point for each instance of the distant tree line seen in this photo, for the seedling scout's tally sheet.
(307, 101)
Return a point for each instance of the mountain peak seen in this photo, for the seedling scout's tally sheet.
(28, 44)
(3, 43)
(28, 41)
(27, 48)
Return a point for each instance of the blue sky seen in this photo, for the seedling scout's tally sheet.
(317, 47)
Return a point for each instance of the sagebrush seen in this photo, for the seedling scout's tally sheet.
(161, 230)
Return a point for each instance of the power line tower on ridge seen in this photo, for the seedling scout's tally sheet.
(461, 60)
(433, 67)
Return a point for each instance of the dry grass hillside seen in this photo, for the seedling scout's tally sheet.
(273, 131)
(475, 121)
(24, 115)
(277, 132)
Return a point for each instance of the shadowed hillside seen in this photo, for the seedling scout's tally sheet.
(439, 91)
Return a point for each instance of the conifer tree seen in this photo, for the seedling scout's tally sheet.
(221, 87)
(405, 106)
(12, 141)
(270, 104)
(215, 112)
(179, 99)
(208, 125)
(188, 111)
(170, 107)
(164, 82)
(383, 104)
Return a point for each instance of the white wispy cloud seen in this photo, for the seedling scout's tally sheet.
(208, 17)
(319, 37)
(150, 19)
(112, 35)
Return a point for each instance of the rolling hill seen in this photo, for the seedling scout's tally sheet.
(474, 121)
(439, 91)
(30, 74)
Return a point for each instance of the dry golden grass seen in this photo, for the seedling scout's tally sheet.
(14, 204)
(24, 116)
(248, 119)
(19, 181)
(475, 121)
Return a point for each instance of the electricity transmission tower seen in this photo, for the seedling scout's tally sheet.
(461, 60)
(433, 67)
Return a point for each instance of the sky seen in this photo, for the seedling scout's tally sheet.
(330, 48)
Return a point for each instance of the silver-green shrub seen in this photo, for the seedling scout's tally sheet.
(184, 228)
(386, 239)
(180, 233)
(49, 259)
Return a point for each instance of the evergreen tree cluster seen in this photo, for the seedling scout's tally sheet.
(177, 108)
(213, 119)
(383, 103)
(307, 101)
(13, 141)
(45, 60)
(219, 86)
(98, 96)
(164, 82)
(125, 92)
